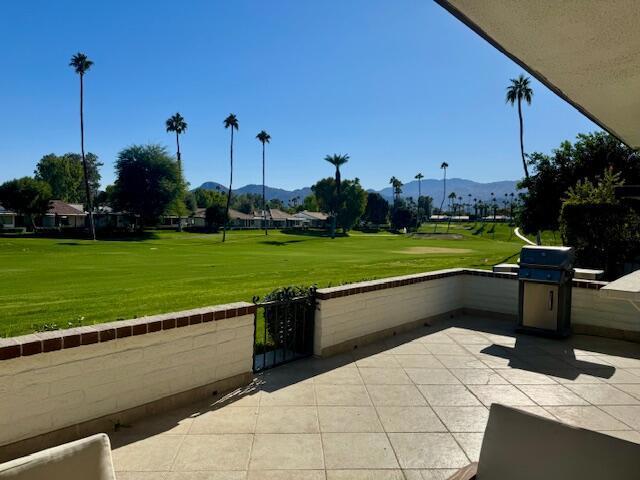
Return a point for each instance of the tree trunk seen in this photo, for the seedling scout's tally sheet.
(334, 220)
(264, 198)
(87, 189)
(444, 194)
(178, 154)
(226, 217)
(524, 161)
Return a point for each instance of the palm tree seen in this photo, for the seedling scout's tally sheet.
(516, 92)
(396, 184)
(230, 122)
(419, 176)
(264, 137)
(81, 64)
(176, 124)
(452, 208)
(443, 166)
(336, 160)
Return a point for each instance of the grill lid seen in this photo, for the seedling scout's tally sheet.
(534, 256)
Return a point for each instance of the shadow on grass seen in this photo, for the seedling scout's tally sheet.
(311, 233)
(479, 230)
(277, 243)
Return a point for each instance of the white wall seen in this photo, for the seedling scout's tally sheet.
(48, 391)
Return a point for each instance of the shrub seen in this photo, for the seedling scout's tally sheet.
(280, 318)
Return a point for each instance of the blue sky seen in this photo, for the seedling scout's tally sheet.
(398, 85)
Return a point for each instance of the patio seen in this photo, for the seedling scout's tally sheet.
(413, 406)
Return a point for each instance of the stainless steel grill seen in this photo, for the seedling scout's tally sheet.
(545, 277)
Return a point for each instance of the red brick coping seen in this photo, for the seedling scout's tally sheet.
(393, 282)
(104, 332)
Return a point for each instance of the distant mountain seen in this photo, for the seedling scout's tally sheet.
(431, 187)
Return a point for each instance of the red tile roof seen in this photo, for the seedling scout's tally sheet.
(58, 207)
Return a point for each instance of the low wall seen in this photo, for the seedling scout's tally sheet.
(359, 313)
(78, 381)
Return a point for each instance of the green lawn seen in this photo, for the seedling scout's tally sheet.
(60, 280)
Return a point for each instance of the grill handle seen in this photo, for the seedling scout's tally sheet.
(550, 299)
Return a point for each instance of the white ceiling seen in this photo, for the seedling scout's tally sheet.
(587, 51)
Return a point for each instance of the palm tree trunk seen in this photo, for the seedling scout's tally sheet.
(264, 199)
(226, 210)
(524, 162)
(87, 189)
(334, 220)
(180, 176)
(444, 193)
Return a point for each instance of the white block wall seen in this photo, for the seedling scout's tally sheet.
(590, 307)
(490, 294)
(48, 391)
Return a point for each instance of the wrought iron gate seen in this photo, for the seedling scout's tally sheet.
(283, 330)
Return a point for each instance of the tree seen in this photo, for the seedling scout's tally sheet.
(377, 209)
(402, 216)
(264, 138)
(443, 167)
(452, 208)
(205, 197)
(215, 216)
(230, 122)
(419, 176)
(66, 177)
(354, 202)
(147, 182)
(425, 205)
(177, 124)
(81, 64)
(516, 92)
(310, 203)
(26, 196)
(337, 161)
(396, 185)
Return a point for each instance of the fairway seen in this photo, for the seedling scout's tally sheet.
(61, 280)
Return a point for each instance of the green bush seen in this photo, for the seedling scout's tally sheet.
(281, 316)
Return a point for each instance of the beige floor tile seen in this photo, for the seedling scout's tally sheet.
(214, 452)
(437, 337)
(384, 376)
(298, 394)
(427, 450)
(453, 395)
(396, 395)
(437, 474)
(525, 377)
(620, 376)
(342, 395)
(631, 389)
(286, 452)
(365, 475)
(504, 394)
(147, 454)
(286, 475)
(460, 361)
(415, 348)
(226, 420)
(604, 394)
(287, 420)
(143, 475)
(410, 419)
(445, 349)
(571, 376)
(629, 435)
(540, 411)
(348, 419)
(378, 361)
(552, 395)
(339, 376)
(470, 443)
(463, 419)
(591, 418)
(358, 450)
(431, 376)
(629, 414)
(419, 361)
(478, 376)
(210, 475)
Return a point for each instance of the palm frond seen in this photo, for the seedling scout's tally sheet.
(80, 63)
(263, 136)
(231, 121)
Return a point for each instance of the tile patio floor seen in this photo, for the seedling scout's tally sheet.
(411, 407)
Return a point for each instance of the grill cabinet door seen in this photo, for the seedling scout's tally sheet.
(540, 309)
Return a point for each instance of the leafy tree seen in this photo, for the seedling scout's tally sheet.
(519, 90)
(26, 196)
(310, 203)
(216, 216)
(324, 192)
(177, 125)
(81, 65)
(337, 161)
(403, 216)
(230, 122)
(354, 202)
(104, 198)
(66, 177)
(377, 209)
(190, 202)
(148, 182)
(263, 137)
(425, 205)
(247, 202)
(205, 197)
(276, 203)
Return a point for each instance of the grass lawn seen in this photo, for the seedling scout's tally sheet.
(60, 280)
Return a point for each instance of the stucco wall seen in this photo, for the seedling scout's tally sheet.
(44, 392)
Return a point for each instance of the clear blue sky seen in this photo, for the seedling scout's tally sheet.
(398, 85)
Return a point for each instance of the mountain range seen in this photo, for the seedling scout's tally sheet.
(432, 187)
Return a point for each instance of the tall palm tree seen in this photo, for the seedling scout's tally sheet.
(264, 137)
(396, 184)
(336, 160)
(230, 122)
(452, 208)
(516, 92)
(81, 65)
(443, 166)
(176, 124)
(419, 176)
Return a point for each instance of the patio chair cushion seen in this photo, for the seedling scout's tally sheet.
(523, 446)
(88, 458)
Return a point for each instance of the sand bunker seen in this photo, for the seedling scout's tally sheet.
(426, 250)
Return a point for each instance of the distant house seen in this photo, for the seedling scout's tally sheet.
(106, 218)
(313, 219)
(238, 219)
(7, 218)
(63, 215)
(280, 219)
